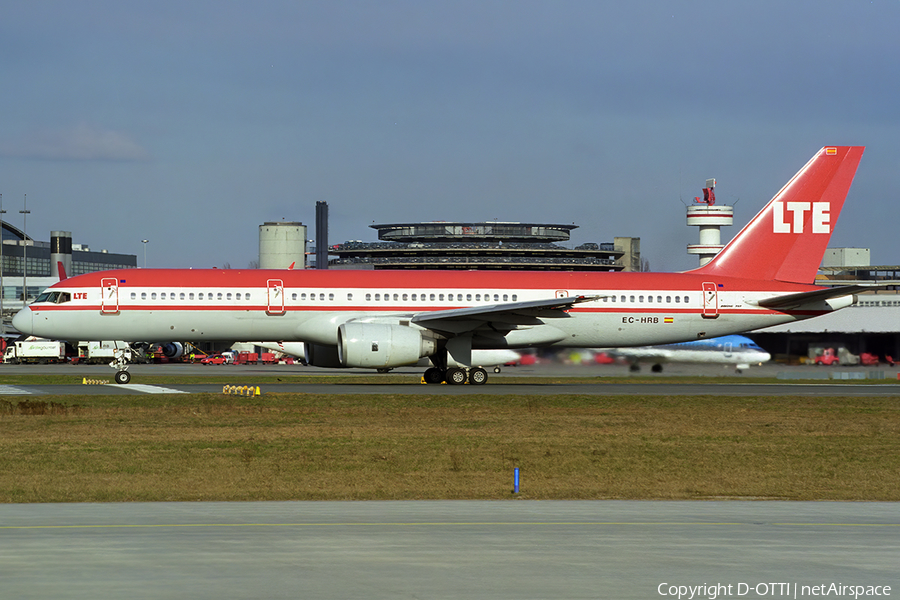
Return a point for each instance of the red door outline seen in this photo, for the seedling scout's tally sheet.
(710, 300)
(109, 295)
(275, 297)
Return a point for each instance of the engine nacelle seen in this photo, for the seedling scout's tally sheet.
(319, 355)
(380, 345)
(172, 349)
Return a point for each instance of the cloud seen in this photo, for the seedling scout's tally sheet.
(79, 143)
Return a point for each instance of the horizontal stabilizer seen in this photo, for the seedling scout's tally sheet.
(790, 301)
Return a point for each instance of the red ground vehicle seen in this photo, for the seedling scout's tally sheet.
(868, 359)
(828, 357)
(214, 359)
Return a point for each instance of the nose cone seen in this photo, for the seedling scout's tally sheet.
(23, 321)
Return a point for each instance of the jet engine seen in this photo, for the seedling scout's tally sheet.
(381, 345)
(172, 349)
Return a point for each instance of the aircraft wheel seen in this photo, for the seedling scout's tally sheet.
(433, 375)
(122, 377)
(634, 367)
(478, 376)
(496, 369)
(456, 376)
(657, 368)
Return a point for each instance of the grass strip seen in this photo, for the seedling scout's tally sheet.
(357, 447)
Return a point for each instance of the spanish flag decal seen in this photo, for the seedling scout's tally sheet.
(668, 320)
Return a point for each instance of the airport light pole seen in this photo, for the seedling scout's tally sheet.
(145, 252)
(2, 212)
(25, 212)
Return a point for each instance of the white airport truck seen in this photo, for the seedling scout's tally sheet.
(98, 352)
(35, 351)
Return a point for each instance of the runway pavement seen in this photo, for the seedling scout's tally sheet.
(546, 381)
(454, 549)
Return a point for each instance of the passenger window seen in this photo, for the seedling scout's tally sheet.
(331, 296)
(669, 299)
(133, 295)
(219, 296)
(405, 297)
(349, 297)
(677, 299)
(191, 296)
(377, 297)
(640, 298)
(686, 299)
(632, 298)
(228, 296)
(659, 299)
(505, 297)
(153, 296)
(515, 297)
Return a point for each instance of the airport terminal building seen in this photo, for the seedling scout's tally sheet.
(484, 245)
(29, 262)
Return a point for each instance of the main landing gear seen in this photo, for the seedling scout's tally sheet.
(456, 376)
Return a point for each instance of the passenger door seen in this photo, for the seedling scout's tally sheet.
(109, 295)
(710, 300)
(275, 297)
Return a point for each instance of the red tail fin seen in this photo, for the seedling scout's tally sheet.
(62, 270)
(787, 239)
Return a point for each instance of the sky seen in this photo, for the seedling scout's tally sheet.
(191, 123)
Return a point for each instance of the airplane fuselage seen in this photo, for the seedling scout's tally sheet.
(631, 309)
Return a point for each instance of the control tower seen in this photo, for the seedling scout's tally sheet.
(709, 217)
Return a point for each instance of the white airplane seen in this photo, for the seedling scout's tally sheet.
(482, 358)
(384, 319)
(726, 350)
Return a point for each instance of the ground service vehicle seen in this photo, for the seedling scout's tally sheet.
(35, 351)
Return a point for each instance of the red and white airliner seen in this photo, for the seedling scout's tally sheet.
(386, 319)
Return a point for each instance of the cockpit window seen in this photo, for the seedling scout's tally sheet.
(54, 297)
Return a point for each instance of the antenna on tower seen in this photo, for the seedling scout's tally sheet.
(709, 217)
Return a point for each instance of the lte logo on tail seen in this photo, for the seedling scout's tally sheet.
(821, 217)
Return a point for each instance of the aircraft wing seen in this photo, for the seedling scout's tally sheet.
(499, 316)
(802, 299)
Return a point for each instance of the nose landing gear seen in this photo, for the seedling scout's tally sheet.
(120, 364)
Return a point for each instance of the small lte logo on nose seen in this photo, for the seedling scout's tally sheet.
(820, 222)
